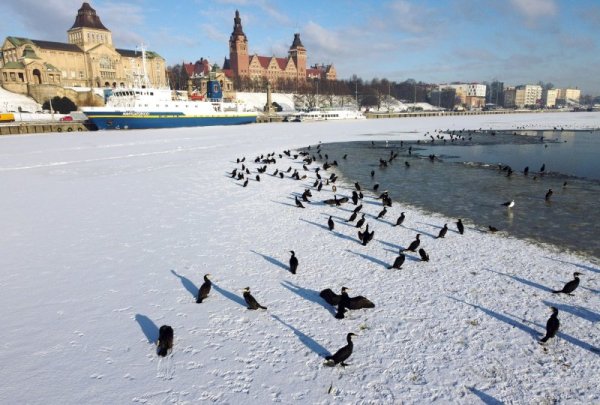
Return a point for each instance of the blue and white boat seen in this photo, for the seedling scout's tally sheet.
(144, 107)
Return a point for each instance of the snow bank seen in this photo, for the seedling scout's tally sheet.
(10, 101)
(106, 236)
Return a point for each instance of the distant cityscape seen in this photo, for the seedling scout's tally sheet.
(89, 62)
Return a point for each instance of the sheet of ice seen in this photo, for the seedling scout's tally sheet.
(106, 236)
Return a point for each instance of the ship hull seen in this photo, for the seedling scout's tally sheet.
(104, 120)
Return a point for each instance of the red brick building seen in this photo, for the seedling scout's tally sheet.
(242, 65)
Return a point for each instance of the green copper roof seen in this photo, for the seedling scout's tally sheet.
(18, 41)
(14, 65)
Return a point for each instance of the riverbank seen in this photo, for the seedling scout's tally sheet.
(106, 236)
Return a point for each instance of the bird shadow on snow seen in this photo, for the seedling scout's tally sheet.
(148, 327)
(283, 203)
(439, 227)
(272, 260)
(383, 221)
(338, 234)
(187, 283)
(392, 245)
(502, 318)
(370, 258)
(342, 221)
(308, 294)
(510, 319)
(522, 280)
(423, 232)
(571, 339)
(485, 398)
(581, 266)
(228, 294)
(575, 310)
(305, 339)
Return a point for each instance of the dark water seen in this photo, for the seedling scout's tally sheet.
(466, 181)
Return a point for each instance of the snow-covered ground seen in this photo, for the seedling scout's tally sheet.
(106, 236)
(10, 101)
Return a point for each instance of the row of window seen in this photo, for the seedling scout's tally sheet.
(20, 77)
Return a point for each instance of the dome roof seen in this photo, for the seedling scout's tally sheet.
(87, 18)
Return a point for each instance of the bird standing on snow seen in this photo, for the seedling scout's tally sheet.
(352, 217)
(204, 289)
(570, 286)
(361, 221)
(293, 262)
(424, 255)
(460, 226)
(330, 223)
(551, 326)
(382, 213)
(443, 231)
(298, 203)
(398, 262)
(400, 219)
(415, 244)
(250, 300)
(165, 340)
(342, 355)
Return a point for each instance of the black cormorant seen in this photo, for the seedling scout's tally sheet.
(204, 289)
(492, 229)
(250, 300)
(342, 355)
(293, 262)
(398, 262)
(460, 226)
(245, 183)
(443, 231)
(298, 203)
(358, 208)
(415, 244)
(570, 286)
(382, 213)
(548, 194)
(551, 326)
(331, 297)
(376, 187)
(352, 217)
(361, 221)
(424, 255)
(357, 186)
(330, 223)
(165, 340)
(400, 219)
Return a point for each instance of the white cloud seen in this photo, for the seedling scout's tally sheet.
(532, 9)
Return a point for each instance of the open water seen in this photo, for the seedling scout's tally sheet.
(466, 180)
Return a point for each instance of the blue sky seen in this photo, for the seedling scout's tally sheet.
(515, 41)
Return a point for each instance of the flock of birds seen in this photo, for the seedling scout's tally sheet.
(343, 301)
